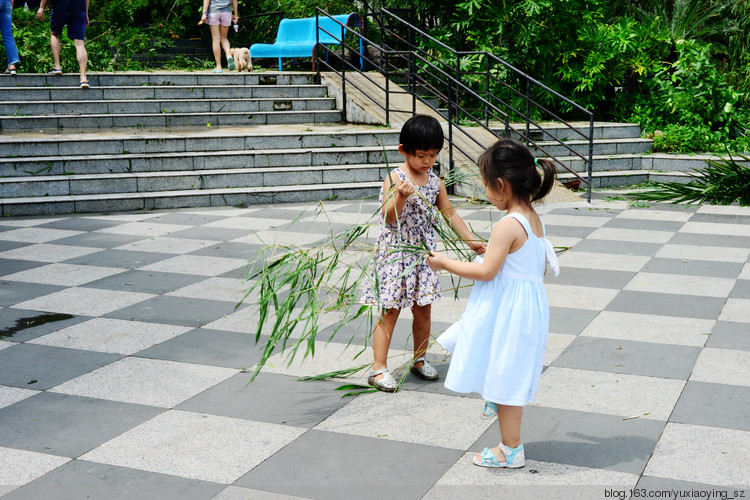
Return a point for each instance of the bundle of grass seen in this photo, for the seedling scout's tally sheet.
(297, 286)
(721, 182)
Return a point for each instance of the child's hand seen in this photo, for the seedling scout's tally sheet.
(437, 261)
(478, 246)
(405, 187)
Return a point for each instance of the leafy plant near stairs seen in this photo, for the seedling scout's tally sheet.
(721, 182)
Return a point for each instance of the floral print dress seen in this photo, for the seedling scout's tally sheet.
(415, 224)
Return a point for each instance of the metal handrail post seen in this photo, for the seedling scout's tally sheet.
(591, 155)
(528, 110)
(387, 88)
(317, 43)
(487, 94)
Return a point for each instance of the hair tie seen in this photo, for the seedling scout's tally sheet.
(536, 161)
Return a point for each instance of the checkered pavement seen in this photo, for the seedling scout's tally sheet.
(124, 365)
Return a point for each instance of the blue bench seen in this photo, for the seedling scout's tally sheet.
(296, 37)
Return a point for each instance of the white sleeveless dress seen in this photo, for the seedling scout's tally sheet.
(498, 344)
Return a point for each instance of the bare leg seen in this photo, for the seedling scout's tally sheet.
(381, 338)
(54, 43)
(216, 44)
(509, 419)
(223, 30)
(82, 57)
(420, 329)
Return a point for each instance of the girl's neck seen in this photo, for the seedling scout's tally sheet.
(520, 207)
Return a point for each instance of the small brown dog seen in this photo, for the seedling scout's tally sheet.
(242, 58)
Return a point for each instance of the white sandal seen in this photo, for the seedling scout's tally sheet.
(425, 372)
(385, 384)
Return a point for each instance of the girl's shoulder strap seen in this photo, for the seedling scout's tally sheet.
(525, 223)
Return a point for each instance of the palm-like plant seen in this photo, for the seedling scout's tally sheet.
(721, 182)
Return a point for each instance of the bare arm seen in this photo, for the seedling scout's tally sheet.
(205, 10)
(502, 238)
(445, 206)
(40, 12)
(236, 12)
(395, 195)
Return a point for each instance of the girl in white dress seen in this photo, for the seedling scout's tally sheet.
(498, 344)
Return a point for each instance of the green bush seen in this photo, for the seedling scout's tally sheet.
(686, 139)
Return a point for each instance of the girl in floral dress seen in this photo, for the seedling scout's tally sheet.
(411, 199)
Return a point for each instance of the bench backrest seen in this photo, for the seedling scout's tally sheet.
(303, 30)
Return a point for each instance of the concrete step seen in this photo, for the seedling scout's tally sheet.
(106, 121)
(160, 78)
(187, 198)
(123, 106)
(601, 147)
(617, 178)
(148, 141)
(41, 95)
(147, 182)
(196, 160)
(576, 131)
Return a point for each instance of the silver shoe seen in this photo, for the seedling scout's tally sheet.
(385, 384)
(425, 372)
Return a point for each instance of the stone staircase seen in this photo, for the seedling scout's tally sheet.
(167, 140)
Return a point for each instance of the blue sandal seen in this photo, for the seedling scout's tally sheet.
(489, 411)
(514, 458)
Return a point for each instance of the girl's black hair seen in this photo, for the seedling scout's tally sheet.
(511, 161)
(421, 132)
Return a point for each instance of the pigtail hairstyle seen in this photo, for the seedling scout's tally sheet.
(511, 161)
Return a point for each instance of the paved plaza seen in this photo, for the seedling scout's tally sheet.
(124, 362)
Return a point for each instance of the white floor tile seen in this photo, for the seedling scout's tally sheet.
(21, 467)
(64, 274)
(12, 395)
(195, 264)
(152, 382)
(723, 366)
(167, 245)
(37, 234)
(697, 252)
(721, 451)
(579, 297)
(679, 284)
(649, 328)
(44, 252)
(737, 310)
(634, 235)
(604, 261)
(145, 228)
(608, 393)
(195, 446)
(84, 301)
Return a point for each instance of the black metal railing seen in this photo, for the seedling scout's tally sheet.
(469, 88)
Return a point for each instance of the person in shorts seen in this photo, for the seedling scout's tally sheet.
(75, 15)
(218, 15)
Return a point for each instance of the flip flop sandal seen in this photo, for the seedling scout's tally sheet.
(10, 71)
(425, 372)
(489, 411)
(514, 458)
(55, 71)
(85, 85)
(218, 71)
(385, 384)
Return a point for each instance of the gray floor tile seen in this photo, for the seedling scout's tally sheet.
(715, 405)
(741, 290)
(599, 278)
(127, 259)
(706, 268)
(11, 245)
(20, 325)
(721, 218)
(569, 321)
(40, 367)
(592, 212)
(10, 266)
(82, 224)
(584, 439)
(209, 347)
(145, 281)
(98, 240)
(450, 286)
(210, 233)
(231, 250)
(331, 466)
(730, 335)
(186, 218)
(568, 231)
(15, 292)
(82, 479)
(665, 304)
(66, 425)
(285, 400)
(175, 311)
(651, 224)
(624, 356)
(616, 247)
(710, 240)
(283, 214)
